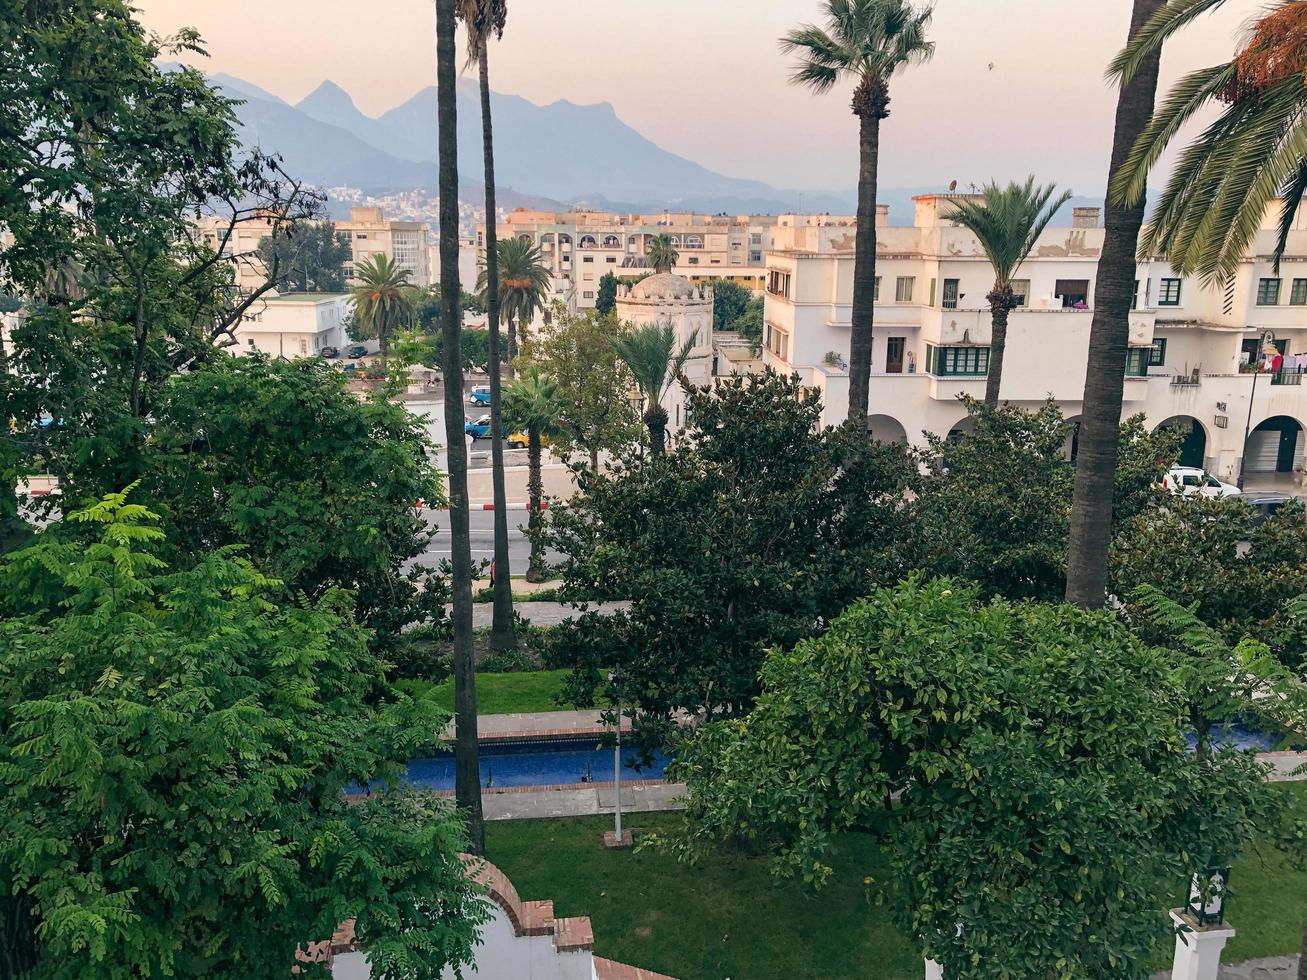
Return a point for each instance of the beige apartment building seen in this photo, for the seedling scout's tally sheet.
(368, 230)
(1212, 361)
(584, 245)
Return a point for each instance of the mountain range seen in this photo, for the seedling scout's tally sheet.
(549, 156)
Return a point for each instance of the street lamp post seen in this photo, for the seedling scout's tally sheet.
(1247, 430)
(615, 838)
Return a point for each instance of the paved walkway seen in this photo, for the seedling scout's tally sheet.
(541, 613)
(636, 798)
(1269, 968)
(553, 722)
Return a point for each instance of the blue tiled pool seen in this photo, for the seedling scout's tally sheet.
(1237, 735)
(537, 762)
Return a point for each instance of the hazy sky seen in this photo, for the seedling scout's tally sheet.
(704, 78)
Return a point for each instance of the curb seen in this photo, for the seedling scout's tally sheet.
(519, 506)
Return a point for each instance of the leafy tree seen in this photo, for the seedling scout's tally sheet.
(311, 257)
(474, 348)
(1024, 763)
(467, 773)
(1007, 221)
(661, 254)
(606, 294)
(649, 352)
(753, 530)
(524, 282)
(174, 749)
(1217, 196)
(1205, 553)
(749, 323)
(868, 41)
(532, 404)
(384, 301)
(593, 384)
(318, 485)
(1109, 336)
(730, 300)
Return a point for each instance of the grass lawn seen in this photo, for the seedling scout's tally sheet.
(500, 693)
(727, 917)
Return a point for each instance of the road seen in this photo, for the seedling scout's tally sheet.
(483, 539)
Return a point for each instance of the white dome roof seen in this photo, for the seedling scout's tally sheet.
(664, 286)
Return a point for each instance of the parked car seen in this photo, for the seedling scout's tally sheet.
(480, 395)
(356, 351)
(350, 368)
(1266, 503)
(330, 352)
(520, 440)
(478, 428)
(1189, 480)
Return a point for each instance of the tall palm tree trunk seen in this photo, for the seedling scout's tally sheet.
(869, 102)
(656, 419)
(1000, 307)
(535, 491)
(502, 634)
(467, 776)
(512, 344)
(1109, 335)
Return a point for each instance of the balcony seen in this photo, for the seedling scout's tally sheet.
(1287, 378)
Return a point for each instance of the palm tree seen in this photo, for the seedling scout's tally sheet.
(523, 287)
(867, 41)
(1256, 149)
(661, 253)
(649, 351)
(384, 301)
(531, 404)
(467, 775)
(484, 19)
(1109, 338)
(1007, 221)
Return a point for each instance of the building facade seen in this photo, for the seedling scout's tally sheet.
(584, 245)
(1211, 361)
(294, 325)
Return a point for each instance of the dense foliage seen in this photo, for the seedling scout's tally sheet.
(173, 749)
(1045, 799)
(755, 529)
(311, 258)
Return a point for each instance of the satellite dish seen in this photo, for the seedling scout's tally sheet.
(952, 185)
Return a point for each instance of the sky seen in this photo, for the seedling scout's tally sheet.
(706, 79)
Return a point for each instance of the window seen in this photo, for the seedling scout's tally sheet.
(587, 258)
(957, 361)
(1268, 292)
(755, 239)
(1298, 294)
(1134, 297)
(894, 355)
(778, 342)
(950, 298)
(360, 236)
(1074, 293)
(755, 256)
(876, 294)
(778, 284)
(1168, 292)
(1158, 356)
(693, 260)
(1021, 291)
(588, 294)
(903, 289)
(611, 260)
(1136, 362)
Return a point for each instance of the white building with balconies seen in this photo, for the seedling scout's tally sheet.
(1213, 361)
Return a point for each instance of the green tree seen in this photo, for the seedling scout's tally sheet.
(1109, 340)
(524, 283)
(484, 20)
(311, 258)
(174, 750)
(467, 772)
(1007, 221)
(594, 385)
(758, 526)
(318, 485)
(661, 253)
(1027, 834)
(649, 352)
(384, 300)
(1218, 193)
(532, 405)
(749, 323)
(730, 300)
(606, 295)
(868, 41)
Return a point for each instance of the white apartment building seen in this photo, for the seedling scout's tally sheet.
(1192, 349)
(294, 325)
(584, 245)
(368, 232)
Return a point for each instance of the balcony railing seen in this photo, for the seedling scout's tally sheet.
(1287, 378)
(1185, 381)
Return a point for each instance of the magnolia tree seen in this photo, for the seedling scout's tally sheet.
(1024, 762)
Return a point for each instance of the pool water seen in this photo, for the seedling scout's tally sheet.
(537, 762)
(1237, 735)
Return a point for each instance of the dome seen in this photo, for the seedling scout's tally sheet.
(664, 286)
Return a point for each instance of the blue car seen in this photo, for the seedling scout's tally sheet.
(480, 395)
(479, 428)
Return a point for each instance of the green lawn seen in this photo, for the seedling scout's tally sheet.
(500, 693)
(726, 916)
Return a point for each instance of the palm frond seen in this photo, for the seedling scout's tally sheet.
(1007, 221)
(649, 351)
(862, 38)
(1152, 35)
(1291, 194)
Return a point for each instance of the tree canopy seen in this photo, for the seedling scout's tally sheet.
(311, 258)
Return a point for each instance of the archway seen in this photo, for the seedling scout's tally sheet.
(963, 428)
(883, 428)
(1275, 446)
(1071, 448)
(1193, 451)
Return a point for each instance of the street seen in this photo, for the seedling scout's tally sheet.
(483, 538)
